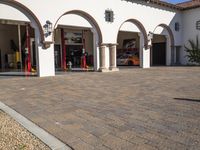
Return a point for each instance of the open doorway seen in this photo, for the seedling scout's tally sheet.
(158, 51)
(17, 48)
(77, 39)
(74, 49)
(128, 49)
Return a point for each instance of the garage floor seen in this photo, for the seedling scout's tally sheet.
(157, 108)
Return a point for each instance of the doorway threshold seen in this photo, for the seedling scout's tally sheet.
(12, 73)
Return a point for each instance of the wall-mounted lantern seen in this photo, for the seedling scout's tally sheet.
(109, 15)
(150, 36)
(47, 28)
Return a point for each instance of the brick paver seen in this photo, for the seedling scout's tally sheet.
(157, 108)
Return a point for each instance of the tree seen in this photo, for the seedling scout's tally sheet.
(193, 51)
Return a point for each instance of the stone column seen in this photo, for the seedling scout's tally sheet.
(102, 51)
(168, 51)
(45, 57)
(113, 61)
(144, 53)
(172, 55)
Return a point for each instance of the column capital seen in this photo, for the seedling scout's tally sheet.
(102, 45)
(108, 44)
(140, 34)
(46, 44)
(112, 44)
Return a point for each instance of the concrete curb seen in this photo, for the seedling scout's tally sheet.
(45, 137)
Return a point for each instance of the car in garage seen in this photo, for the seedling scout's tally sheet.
(129, 59)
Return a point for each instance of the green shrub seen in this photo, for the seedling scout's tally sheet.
(193, 51)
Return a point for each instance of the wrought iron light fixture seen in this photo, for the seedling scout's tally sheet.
(47, 28)
(150, 36)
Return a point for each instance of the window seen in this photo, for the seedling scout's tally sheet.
(109, 16)
(198, 25)
(177, 26)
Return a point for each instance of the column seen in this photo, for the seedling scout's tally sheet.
(45, 57)
(144, 53)
(20, 46)
(46, 65)
(168, 51)
(172, 55)
(102, 51)
(113, 61)
(63, 64)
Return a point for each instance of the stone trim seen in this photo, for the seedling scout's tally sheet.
(40, 133)
(141, 28)
(86, 16)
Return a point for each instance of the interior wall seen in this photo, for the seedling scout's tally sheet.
(57, 36)
(10, 32)
(127, 35)
(7, 33)
(88, 38)
(158, 38)
(161, 39)
(89, 42)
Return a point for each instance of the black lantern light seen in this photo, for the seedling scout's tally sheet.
(47, 28)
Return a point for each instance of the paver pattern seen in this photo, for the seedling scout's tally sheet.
(156, 108)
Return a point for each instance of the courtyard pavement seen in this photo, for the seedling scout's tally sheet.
(156, 108)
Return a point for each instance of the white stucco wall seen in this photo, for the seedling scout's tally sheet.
(189, 29)
(10, 13)
(150, 16)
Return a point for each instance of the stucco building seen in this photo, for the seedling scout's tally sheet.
(48, 36)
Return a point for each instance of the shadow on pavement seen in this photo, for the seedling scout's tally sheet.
(188, 99)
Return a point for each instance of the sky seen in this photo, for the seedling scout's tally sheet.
(175, 1)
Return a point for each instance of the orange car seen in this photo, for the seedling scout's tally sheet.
(128, 60)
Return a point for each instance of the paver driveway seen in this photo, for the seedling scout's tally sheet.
(157, 108)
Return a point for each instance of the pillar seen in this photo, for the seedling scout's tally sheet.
(173, 55)
(144, 53)
(45, 58)
(113, 61)
(168, 51)
(46, 66)
(102, 51)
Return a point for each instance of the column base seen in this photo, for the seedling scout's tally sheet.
(104, 70)
(113, 69)
(145, 67)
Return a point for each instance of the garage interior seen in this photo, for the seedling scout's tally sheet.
(17, 48)
(73, 49)
(128, 49)
(158, 50)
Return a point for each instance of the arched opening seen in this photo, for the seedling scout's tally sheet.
(132, 40)
(77, 37)
(162, 46)
(21, 33)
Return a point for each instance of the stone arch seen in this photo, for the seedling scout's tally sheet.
(140, 27)
(171, 35)
(86, 16)
(170, 43)
(28, 13)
